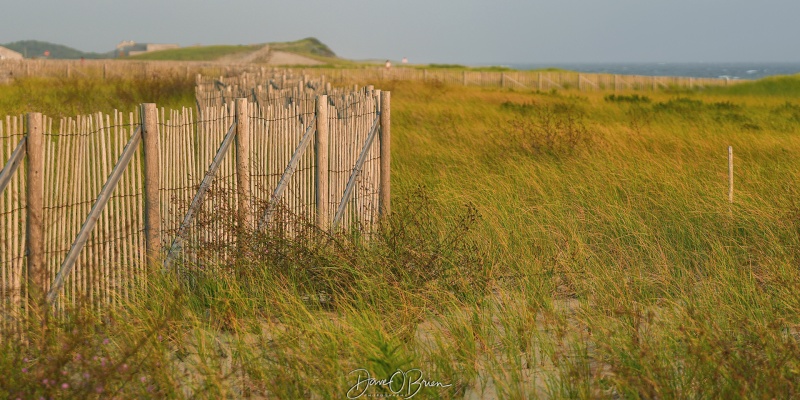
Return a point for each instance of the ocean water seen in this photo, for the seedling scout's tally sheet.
(753, 70)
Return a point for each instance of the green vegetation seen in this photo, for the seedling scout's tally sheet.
(59, 97)
(36, 49)
(782, 86)
(307, 47)
(634, 98)
(197, 53)
(556, 245)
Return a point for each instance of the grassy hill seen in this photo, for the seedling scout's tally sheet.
(306, 47)
(36, 49)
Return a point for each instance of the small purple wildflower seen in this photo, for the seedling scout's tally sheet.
(24, 370)
(65, 386)
(85, 375)
(143, 379)
(99, 389)
(106, 341)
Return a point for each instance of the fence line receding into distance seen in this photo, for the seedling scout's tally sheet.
(532, 80)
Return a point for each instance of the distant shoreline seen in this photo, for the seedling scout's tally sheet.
(743, 70)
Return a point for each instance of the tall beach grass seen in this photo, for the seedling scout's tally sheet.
(542, 245)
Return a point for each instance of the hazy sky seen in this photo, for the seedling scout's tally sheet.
(442, 31)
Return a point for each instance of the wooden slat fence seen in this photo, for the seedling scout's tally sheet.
(118, 68)
(284, 78)
(530, 80)
(81, 153)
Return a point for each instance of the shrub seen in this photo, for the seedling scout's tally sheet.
(413, 249)
(634, 98)
(680, 105)
(555, 129)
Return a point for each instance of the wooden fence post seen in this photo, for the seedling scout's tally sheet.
(34, 243)
(152, 182)
(384, 205)
(245, 217)
(730, 174)
(321, 161)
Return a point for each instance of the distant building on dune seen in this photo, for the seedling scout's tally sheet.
(8, 54)
(130, 48)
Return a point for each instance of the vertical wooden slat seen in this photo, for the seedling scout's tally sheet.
(83, 179)
(244, 214)
(152, 180)
(123, 222)
(139, 211)
(104, 269)
(93, 245)
(35, 208)
(730, 174)
(6, 262)
(385, 137)
(19, 220)
(49, 212)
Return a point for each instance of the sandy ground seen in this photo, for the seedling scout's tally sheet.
(283, 58)
(265, 55)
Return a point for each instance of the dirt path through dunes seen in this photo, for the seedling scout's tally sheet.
(284, 58)
(265, 55)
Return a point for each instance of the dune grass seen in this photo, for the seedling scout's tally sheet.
(60, 97)
(550, 245)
